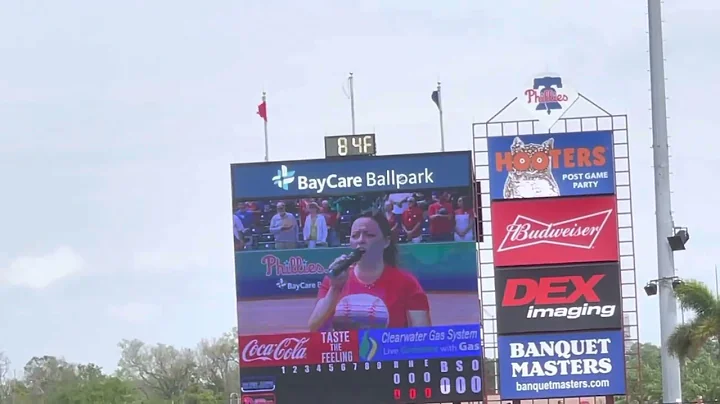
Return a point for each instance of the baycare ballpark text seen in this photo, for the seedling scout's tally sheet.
(392, 178)
(561, 358)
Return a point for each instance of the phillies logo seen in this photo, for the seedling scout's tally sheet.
(544, 93)
(285, 350)
(292, 266)
(579, 232)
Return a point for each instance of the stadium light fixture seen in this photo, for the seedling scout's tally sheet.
(679, 239)
(651, 288)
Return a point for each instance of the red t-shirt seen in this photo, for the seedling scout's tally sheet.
(440, 225)
(302, 207)
(330, 218)
(384, 304)
(411, 217)
(392, 220)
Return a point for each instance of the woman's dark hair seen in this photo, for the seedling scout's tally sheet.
(391, 252)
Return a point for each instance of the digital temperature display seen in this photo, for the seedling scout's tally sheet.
(350, 145)
(391, 382)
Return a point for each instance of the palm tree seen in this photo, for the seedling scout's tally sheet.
(688, 339)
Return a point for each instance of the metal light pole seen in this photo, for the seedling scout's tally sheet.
(663, 210)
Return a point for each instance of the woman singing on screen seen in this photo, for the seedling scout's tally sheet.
(374, 293)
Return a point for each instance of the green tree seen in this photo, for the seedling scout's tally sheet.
(218, 367)
(43, 375)
(5, 380)
(688, 339)
(701, 375)
(91, 386)
(644, 379)
(161, 371)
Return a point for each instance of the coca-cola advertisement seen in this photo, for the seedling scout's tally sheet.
(555, 230)
(299, 349)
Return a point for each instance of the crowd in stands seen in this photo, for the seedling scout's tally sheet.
(311, 223)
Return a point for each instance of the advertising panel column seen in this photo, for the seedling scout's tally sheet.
(557, 272)
(356, 280)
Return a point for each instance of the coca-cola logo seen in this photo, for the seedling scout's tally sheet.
(285, 350)
(579, 232)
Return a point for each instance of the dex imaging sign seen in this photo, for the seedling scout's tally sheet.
(561, 365)
(352, 176)
(558, 298)
(549, 165)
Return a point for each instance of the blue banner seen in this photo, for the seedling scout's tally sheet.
(561, 365)
(549, 165)
(351, 176)
(420, 343)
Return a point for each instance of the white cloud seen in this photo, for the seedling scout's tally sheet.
(40, 272)
(136, 313)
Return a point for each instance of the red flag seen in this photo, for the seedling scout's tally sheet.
(262, 110)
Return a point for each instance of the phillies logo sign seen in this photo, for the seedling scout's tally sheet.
(548, 98)
(554, 230)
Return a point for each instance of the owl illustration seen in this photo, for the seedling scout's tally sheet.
(537, 180)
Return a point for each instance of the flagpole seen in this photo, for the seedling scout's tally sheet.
(716, 282)
(442, 128)
(267, 147)
(352, 102)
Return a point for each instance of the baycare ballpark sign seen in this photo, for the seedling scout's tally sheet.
(351, 176)
(577, 364)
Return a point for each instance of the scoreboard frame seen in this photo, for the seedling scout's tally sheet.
(380, 382)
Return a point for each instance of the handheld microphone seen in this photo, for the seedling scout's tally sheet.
(342, 266)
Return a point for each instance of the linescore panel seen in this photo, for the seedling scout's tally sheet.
(387, 382)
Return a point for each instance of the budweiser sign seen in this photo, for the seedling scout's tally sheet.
(578, 232)
(554, 230)
(288, 349)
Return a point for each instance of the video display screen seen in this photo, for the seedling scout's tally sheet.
(357, 279)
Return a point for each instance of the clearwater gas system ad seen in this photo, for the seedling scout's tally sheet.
(401, 323)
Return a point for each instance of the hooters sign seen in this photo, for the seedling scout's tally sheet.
(554, 230)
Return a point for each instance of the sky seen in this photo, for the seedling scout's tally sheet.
(118, 122)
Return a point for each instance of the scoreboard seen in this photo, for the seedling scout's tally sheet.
(415, 338)
(396, 382)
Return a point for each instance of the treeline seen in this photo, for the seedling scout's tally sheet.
(146, 374)
(208, 374)
(700, 376)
